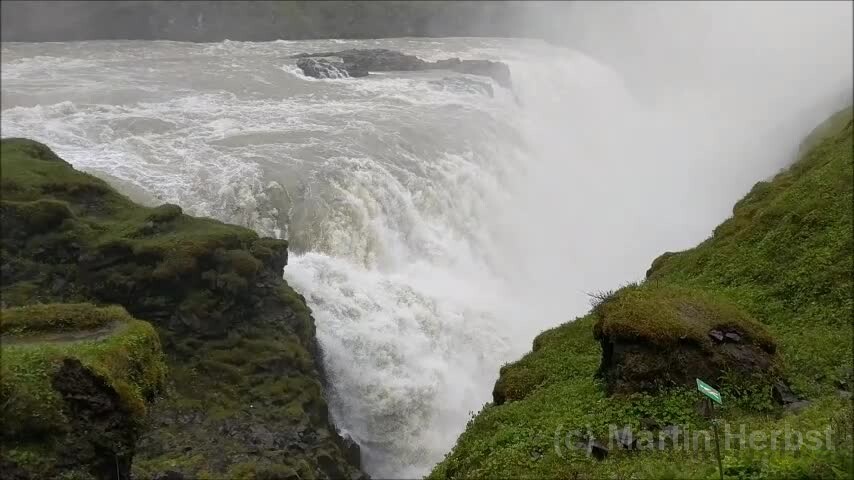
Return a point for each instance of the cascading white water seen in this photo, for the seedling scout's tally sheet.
(436, 230)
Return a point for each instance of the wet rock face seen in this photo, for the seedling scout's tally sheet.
(357, 63)
(380, 60)
(320, 68)
(102, 434)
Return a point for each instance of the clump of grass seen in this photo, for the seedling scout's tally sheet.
(668, 315)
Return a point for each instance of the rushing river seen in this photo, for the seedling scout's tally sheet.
(435, 230)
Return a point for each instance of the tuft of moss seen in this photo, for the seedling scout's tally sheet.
(666, 315)
(516, 384)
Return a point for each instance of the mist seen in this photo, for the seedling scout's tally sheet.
(670, 113)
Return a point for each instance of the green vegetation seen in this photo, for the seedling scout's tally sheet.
(666, 315)
(35, 410)
(783, 259)
(58, 317)
(253, 389)
(243, 394)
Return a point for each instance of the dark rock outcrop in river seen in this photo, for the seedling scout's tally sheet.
(358, 62)
(320, 68)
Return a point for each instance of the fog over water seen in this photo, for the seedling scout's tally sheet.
(436, 230)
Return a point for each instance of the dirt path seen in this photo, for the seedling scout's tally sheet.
(62, 337)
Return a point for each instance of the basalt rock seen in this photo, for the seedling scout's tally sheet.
(358, 62)
(783, 394)
(95, 408)
(376, 60)
(320, 68)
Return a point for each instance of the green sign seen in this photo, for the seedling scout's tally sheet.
(708, 391)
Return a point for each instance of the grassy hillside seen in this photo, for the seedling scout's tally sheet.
(784, 258)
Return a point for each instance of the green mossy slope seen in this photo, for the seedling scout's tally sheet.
(784, 258)
(243, 394)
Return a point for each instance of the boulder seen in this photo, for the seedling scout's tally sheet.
(358, 62)
(655, 336)
(351, 449)
(375, 59)
(321, 68)
(783, 394)
(599, 451)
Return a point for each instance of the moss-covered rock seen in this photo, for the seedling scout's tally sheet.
(777, 275)
(661, 336)
(664, 315)
(244, 386)
(178, 271)
(76, 381)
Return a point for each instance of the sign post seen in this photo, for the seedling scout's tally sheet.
(714, 396)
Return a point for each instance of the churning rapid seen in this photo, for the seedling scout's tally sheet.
(435, 229)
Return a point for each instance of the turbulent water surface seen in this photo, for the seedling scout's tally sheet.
(435, 229)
